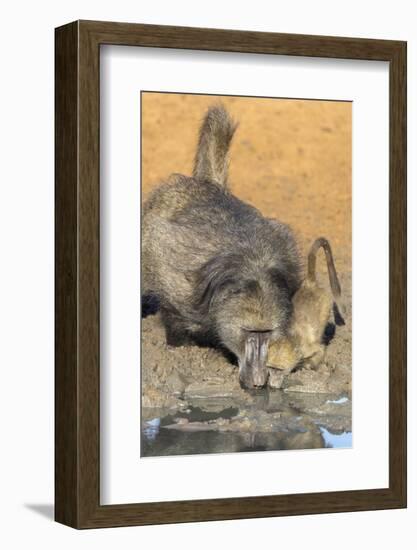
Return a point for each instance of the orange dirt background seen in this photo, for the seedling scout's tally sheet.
(291, 159)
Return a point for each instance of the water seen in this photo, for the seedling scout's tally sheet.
(336, 441)
(269, 421)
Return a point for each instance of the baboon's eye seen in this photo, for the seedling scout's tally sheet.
(252, 286)
(236, 291)
(279, 278)
(245, 287)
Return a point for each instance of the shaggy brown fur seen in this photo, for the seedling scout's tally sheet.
(222, 273)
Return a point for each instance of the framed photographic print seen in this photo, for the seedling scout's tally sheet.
(230, 274)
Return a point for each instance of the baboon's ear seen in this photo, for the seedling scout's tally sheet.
(214, 275)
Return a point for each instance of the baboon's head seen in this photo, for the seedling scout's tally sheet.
(247, 307)
(312, 311)
(283, 355)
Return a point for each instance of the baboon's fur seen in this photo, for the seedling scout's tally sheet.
(222, 272)
(312, 308)
(211, 159)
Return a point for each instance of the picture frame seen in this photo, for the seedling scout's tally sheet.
(77, 261)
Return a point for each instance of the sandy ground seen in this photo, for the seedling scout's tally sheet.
(290, 159)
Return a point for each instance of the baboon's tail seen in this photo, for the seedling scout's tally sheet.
(216, 132)
(331, 269)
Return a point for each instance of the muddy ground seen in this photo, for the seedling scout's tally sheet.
(291, 160)
(172, 377)
(192, 401)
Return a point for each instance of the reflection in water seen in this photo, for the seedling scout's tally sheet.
(338, 401)
(273, 421)
(151, 429)
(336, 441)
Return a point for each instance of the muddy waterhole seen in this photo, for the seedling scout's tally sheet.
(275, 420)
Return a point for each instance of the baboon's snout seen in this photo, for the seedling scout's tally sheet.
(253, 372)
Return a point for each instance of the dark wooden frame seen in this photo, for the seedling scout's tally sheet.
(77, 274)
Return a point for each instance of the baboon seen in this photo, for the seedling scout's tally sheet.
(312, 307)
(222, 273)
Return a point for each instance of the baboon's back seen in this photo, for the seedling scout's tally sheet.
(187, 222)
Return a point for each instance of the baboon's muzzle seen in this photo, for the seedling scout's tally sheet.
(253, 372)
